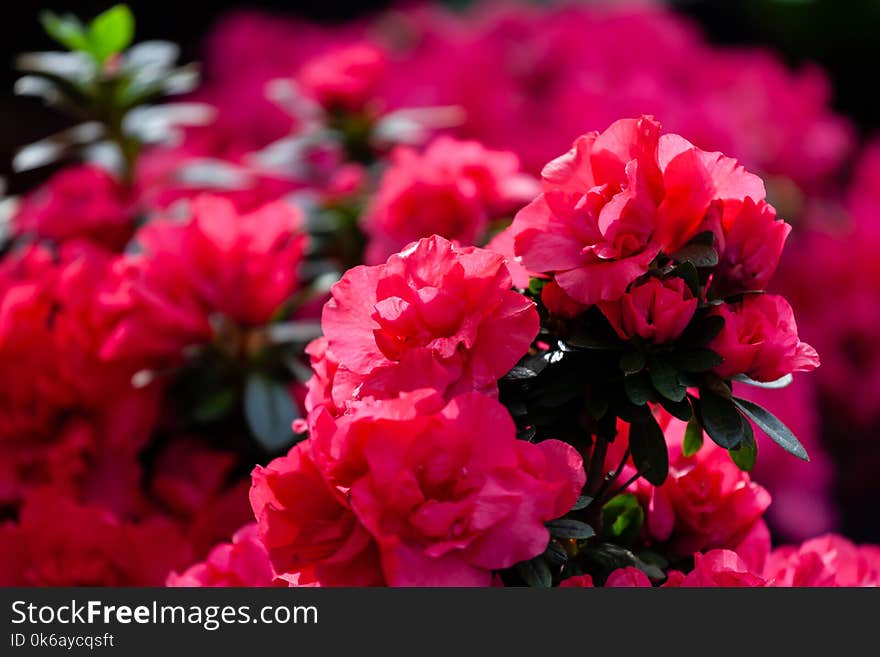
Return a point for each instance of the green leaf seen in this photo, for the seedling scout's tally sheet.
(698, 360)
(582, 502)
(66, 30)
(682, 410)
(597, 405)
(584, 339)
(665, 380)
(638, 388)
(724, 424)
(270, 412)
(632, 362)
(702, 331)
(773, 427)
(747, 453)
(699, 251)
(649, 452)
(215, 406)
(536, 285)
(111, 32)
(570, 528)
(520, 373)
(693, 437)
(535, 573)
(769, 385)
(611, 557)
(688, 273)
(555, 554)
(622, 518)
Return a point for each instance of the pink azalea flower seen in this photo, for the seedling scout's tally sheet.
(618, 198)
(445, 491)
(434, 315)
(760, 339)
(658, 310)
(453, 189)
(243, 562)
(345, 78)
(82, 202)
(221, 262)
(718, 568)
(828, 560)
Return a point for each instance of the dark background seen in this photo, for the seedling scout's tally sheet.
(841, 36)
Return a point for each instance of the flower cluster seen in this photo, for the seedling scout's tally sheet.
(421, 480)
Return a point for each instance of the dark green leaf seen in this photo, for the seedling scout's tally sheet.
(681, 410)
(111, 32)
(724, 424)
(629, 412)
(555, 554)
(270, 412)
(612, 556)
(702, 331)
(66, 30)
(690, 379)
(747, 453)
(700, 251)
(693, 438)
(520, 373)
(665, 380)
(215, 406)
(632, 362)
(570, 528)
(653, 558)
(535, 573)
(688, 273)
(585, 339)
(597, 405)
(773, 427)
(606, 426)
(582, 503)
(770, 385)
(638, 388)
(649, 452)
(698, 360)
(622, 518)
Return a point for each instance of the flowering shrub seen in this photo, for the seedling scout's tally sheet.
(334, 267)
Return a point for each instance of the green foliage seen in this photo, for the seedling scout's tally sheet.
(632, 362)
(721, 419)
(111, 32)
(693, 437)
(773, 427)
(66, 30)
(665, 379)
(700, 251)
(108, 34)
(102, 82)
(649, 452)
(270, 412)
(746, 453)
(535, 573)
(570, 528)
(622, 519)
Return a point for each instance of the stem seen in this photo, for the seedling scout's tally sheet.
(615, 474)
(628, 483)
(595, 475)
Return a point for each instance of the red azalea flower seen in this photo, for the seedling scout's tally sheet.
(760, 339)
(434, 315)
